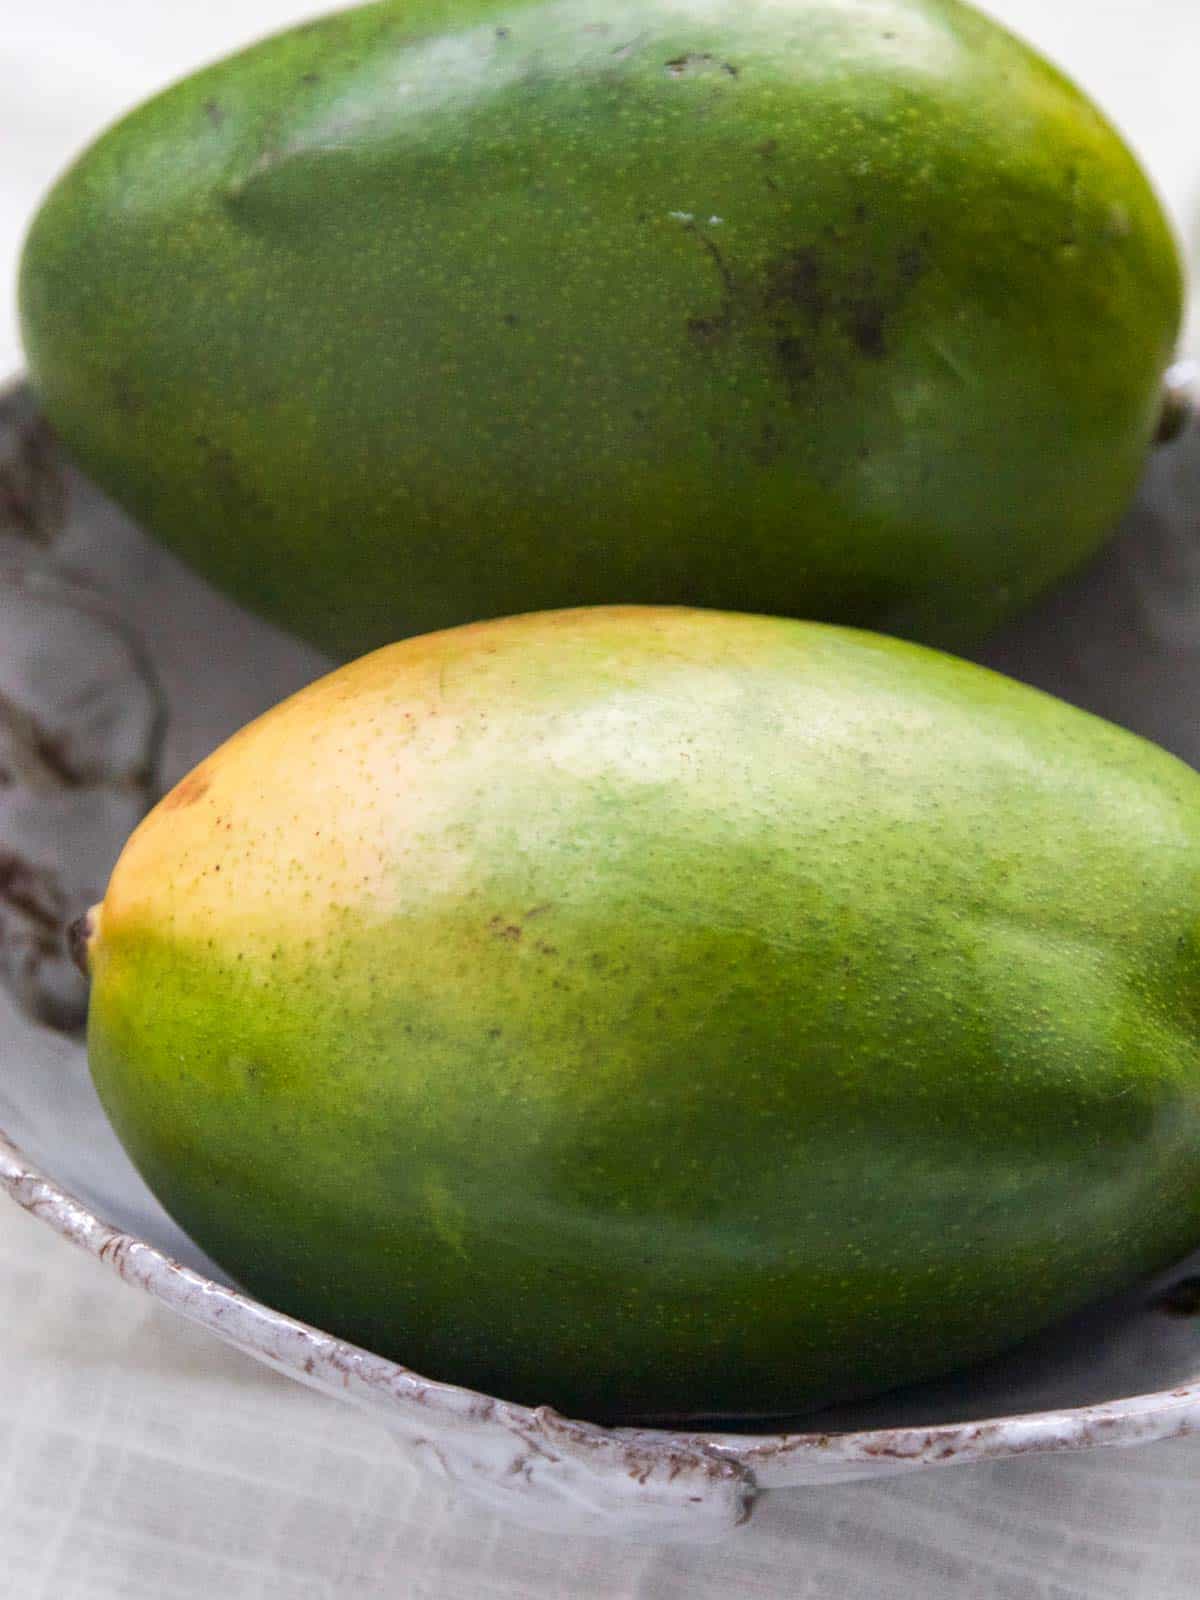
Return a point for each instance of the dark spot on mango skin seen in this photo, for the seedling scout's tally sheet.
(866, 329)
(512, 929)
(700, 61)
(825, 291)
(228, 482)
(799, 280)
(810, 293)
(794, 359)
(769, 445)
(215, 113)
(711, 328)
(707, 330)
(911, 263)
(193, 788)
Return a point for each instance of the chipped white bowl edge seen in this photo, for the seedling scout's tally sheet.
(546, 1471)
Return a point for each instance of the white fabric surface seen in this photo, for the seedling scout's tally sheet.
(139, 1460)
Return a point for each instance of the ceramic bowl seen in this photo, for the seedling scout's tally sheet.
(1123, 639)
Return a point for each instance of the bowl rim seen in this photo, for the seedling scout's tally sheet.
(373, 1382)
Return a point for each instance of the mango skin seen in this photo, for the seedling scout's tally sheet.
(659, 1013)
(442, 310)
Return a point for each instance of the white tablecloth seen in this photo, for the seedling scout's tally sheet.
(139, 1460)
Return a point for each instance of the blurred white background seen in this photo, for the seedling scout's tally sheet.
(69, 67)
(139, 1460)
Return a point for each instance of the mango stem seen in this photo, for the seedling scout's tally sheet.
(81, 936)
(1180, 401)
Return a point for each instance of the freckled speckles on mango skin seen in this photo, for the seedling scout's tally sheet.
(452, 310)
(658, 1011)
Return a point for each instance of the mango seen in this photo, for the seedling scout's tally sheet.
(441, 310)
(666, 1014)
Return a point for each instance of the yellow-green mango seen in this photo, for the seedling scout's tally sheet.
(663, 1013)
(438, 310)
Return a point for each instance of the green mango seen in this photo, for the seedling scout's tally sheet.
(661, 1013)
(440, 310)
